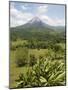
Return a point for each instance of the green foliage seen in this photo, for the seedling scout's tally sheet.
(58, 51)
(46, 34)
(32, 60)
(57, 48)
(40, 56)
(12, 47)
(43, 64)
(44, 73)
(21, 56)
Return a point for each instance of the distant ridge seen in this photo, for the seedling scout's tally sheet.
(36, 28)
(36, 22)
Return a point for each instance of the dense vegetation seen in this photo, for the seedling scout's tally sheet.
(38, 34)
(37, 57)
(44, 73)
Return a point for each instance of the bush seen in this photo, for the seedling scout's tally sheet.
(32, 60)
(12, 47)
(46, 73)
(57, 48)
(59, 51)
(21, 56)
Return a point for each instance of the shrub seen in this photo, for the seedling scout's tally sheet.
(12, 47)
(21, 56)
(46, 73)
(59, 51)
(57, 48)
(32, 60)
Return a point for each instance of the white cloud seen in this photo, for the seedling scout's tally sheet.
(42, 9)
(53, 22)
(23, 7)
(18, 17)
(41, 13)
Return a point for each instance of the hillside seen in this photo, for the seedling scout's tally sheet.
(35, 28)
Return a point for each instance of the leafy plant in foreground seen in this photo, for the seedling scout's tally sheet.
(44, 73)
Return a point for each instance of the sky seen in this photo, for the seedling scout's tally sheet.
(21, 13)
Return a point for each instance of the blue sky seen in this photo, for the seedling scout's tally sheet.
(21, 13)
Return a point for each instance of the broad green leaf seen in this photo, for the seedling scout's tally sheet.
(42, 79)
